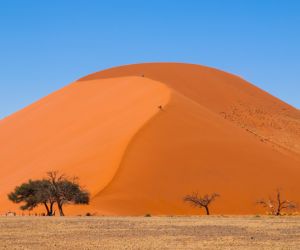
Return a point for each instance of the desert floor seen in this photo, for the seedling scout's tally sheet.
(215, 232)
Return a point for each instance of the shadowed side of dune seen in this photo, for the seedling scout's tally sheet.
(188, 148)
(235, 99)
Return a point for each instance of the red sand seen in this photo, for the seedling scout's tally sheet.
(215, 133)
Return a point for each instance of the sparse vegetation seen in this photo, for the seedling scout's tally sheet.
(201, 201)
(277, 205)
(162, 232)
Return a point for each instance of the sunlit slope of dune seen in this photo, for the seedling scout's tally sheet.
(140, 137)
(236, 100)
(83, 129)
(188, 148)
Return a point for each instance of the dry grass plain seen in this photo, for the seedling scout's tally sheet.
(214, 232)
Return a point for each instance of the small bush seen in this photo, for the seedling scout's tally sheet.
(147, 215)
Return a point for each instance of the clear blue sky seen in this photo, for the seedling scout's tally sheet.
(45, 45)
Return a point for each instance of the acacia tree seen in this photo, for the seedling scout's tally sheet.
(67, 191)
(201, 201)
(55, 189)
(277, 205)
(33, 194)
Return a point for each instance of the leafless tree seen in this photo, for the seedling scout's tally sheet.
(277, 205)
(201, 201)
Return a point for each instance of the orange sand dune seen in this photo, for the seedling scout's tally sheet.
(215, 133)
(230, 96)
(81, 130)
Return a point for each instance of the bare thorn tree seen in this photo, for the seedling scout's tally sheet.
(201, 201)
(277, 205)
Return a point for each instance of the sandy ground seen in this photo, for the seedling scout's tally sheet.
(150, 232)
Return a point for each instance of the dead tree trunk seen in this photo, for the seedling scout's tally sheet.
(277, 205)
(207, 210)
